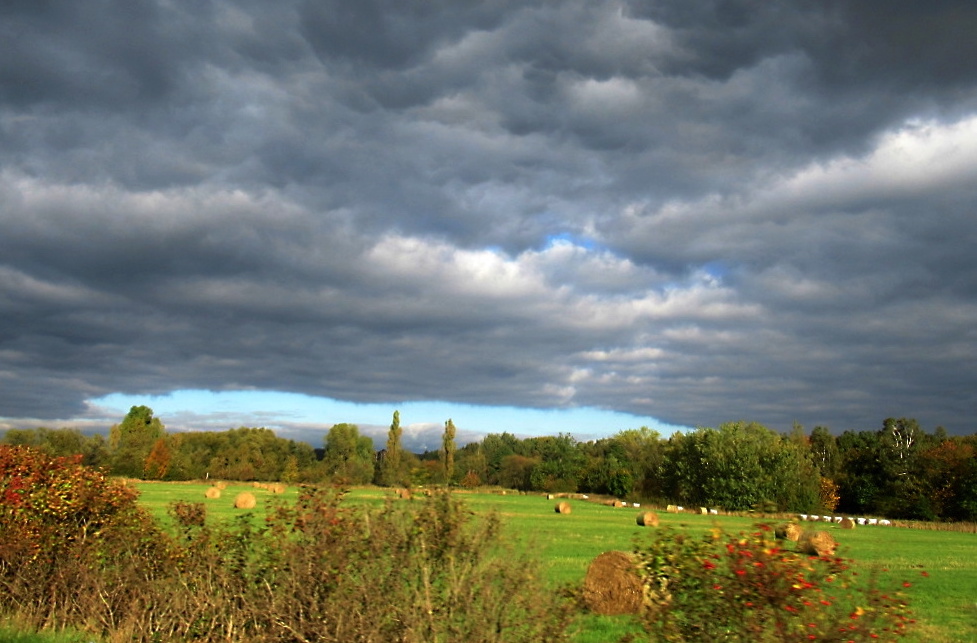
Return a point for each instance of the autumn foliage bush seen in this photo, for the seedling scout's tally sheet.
(747, 587)
(75, 551)
(59, 520)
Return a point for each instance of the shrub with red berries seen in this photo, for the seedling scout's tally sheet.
(748, 587)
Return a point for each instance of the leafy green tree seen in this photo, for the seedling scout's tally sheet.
(607, 475)
(900, 441)
(470, 462)
(562, 463)
(240, 454)
(742, 465)
(516, 472)
(945, 468)
(862, 478)
(640, 452)
(392, 463)
(290, 474)
(908, 490)
(131, 441)
(448, 450)
(61, 443)
(824, 452)
(495, 448)
(348, 455)
(962, 499)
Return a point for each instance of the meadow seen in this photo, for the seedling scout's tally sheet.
(940, 566)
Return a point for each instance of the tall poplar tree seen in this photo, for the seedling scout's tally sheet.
(390, 468)
(448, 450)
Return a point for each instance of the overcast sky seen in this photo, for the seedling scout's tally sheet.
(673, 213)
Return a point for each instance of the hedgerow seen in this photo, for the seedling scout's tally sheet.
(75, 551)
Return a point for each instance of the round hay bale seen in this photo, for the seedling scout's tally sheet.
(612, 585)
(220, 484)
(816, 543)
(563, 508)
(245, 500)
(791, 531)
(617, 503)
(847, 523)
(550, 496)
(213, 493)
(672, 509)
(277, 487)
(647, 519)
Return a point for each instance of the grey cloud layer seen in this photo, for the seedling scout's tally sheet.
(693, 211)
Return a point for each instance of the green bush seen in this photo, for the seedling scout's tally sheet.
(746, 587)
(321, 570)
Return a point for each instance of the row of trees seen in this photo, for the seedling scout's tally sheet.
(140, 447)
(898, 471)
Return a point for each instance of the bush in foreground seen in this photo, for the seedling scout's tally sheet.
(76, 552)
(323, 571)
(59, 522)
(746, 587)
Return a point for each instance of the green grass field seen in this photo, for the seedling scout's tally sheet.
(944, 601)
(12, 634)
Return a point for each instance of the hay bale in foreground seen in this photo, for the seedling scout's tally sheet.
(647, 519)
(245, 500)
(791, 531)
(612, 585)
(817, 543)
(847, 523)
(213, 493)
(563, 508)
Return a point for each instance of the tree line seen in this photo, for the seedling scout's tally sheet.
(896, 471)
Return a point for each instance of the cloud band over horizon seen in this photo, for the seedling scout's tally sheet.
(691, 213)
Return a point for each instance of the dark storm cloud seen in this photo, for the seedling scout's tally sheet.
(692, 211)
